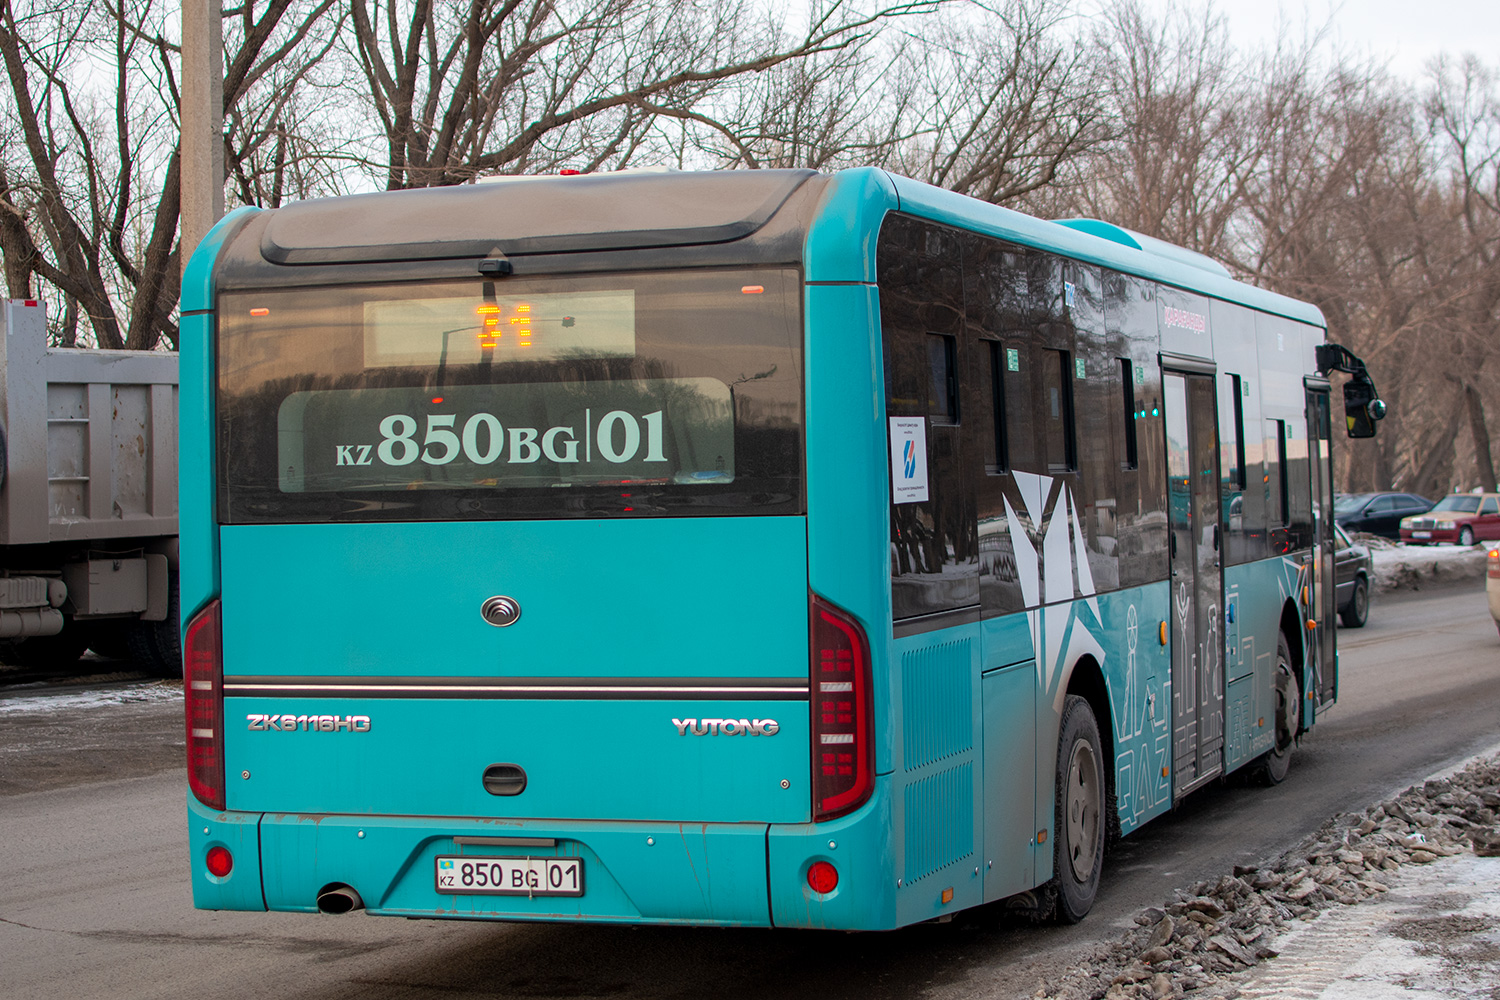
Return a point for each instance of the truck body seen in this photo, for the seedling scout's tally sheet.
(88, 499)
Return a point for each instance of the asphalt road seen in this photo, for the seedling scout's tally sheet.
(94, 900)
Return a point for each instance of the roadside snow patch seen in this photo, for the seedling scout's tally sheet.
(1410, 567)
(128, 694)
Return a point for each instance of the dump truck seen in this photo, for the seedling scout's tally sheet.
(88, 500)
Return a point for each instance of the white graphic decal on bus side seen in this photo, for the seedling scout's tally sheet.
(1067, 620)
(727, 727)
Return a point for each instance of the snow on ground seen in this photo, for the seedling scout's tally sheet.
(1410, 567)
(147, 691)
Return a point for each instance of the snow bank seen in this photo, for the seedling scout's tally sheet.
(126, 694)
(1411, 567)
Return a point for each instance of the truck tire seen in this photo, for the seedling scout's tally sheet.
(156, 647)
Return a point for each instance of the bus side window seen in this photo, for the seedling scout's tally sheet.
(934, 549)
(942, 382)
(1232, 467)
(992, 363)
(1275, 483)
(1129, 458)
(1020, 415)
(1058, 427)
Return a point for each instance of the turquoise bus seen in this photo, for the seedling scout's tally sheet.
(753, 548)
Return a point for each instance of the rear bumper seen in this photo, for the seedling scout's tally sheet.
(716, 874)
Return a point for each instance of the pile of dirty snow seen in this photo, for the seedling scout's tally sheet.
(1221, 927)
(1411, 567)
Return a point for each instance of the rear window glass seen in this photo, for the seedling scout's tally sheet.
(637, 394)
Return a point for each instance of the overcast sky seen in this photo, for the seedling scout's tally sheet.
(1407, 32)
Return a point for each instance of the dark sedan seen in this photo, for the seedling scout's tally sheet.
(1352, 569)
(1377, 513)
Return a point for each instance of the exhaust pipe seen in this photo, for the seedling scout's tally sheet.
(339, 898)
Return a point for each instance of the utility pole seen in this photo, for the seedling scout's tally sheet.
(202, 121)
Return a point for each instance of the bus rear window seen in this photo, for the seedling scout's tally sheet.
(657, 393)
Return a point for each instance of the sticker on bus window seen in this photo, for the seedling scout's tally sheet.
(676, 430)
(908, 459)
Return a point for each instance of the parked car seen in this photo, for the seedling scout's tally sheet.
(1492, 584)
(1377, 513)
(1464, 518)
(1352, 569)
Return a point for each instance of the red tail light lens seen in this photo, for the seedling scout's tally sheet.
(822, 877)
(843, 744)
(220, 862)
(202, 676)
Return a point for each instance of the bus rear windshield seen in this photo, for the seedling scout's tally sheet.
(658, 393)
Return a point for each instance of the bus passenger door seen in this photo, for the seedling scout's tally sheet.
(1324, 600)
(1197, 641)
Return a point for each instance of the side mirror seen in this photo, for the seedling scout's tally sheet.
(1362, 407)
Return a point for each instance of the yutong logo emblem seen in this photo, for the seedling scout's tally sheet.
(309, 723)
(726, 727)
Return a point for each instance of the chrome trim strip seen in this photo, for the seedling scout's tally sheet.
(652, 688)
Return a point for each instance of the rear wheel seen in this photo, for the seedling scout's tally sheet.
(1079, 823)
(1357, 611)
(1466, 535)
(1273, 765)
(156, 647)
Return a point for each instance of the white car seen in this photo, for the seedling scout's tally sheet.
(1492, 583)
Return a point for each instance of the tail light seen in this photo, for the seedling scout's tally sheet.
(202, 675)
(1493, 559)
(843, 737)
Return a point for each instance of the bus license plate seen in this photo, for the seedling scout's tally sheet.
(472, 875)
(1421, 534)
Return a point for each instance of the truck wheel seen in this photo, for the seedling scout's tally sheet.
(1273, 765)
(1079, 821)
(1357, 611)
(156, 647)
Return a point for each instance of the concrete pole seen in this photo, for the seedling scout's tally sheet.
(202, 121)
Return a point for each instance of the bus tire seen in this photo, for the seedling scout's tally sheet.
(1079, 822)
(1272, 766)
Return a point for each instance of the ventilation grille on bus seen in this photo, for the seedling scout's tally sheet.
(939, 824)
(937, 703)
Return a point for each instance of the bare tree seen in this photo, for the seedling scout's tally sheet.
(506, 86)
(90, 190)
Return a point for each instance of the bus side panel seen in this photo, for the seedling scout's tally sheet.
(239, 834)
(633, 872)
(198, 537)
(938, 788)
(860, 846)
(1138, 674)
(1254, 595)
(848, 492)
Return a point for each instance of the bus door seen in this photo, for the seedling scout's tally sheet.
(1323, 599)
(1197, 641)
